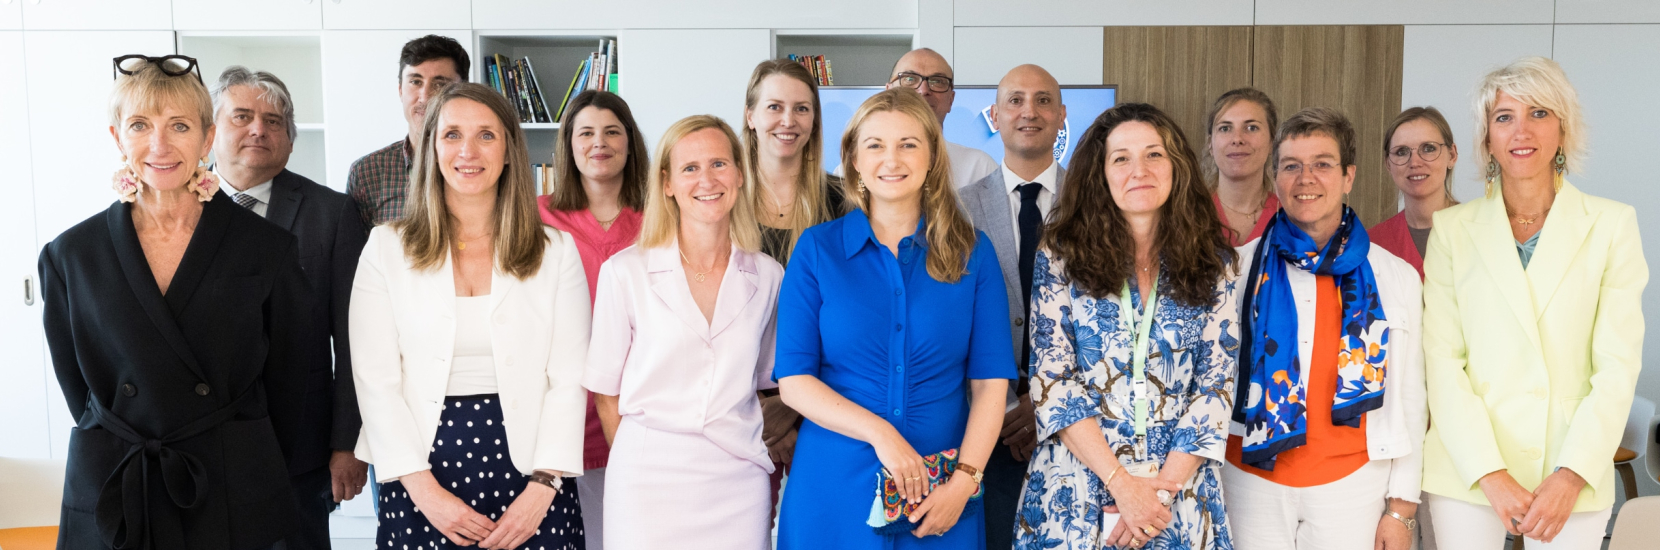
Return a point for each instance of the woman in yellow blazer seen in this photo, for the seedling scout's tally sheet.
(1533, 329)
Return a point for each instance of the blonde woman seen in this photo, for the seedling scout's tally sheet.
(1238, 140)
(683, 340)
(889, 318)
(469, 329)
(1533, 329)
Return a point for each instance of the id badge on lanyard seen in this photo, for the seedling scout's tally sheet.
(1144, 465)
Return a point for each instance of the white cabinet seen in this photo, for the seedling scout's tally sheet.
(11, 14)
(682, 14)
(360, 93)
(23, 396)
(247, 15)
(663, 85)
(78, 15)
(397, 14)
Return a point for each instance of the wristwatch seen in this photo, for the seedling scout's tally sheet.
(552, 481)
(1411, 524)
(973, 473)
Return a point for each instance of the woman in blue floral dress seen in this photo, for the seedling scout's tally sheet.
(1132, 219)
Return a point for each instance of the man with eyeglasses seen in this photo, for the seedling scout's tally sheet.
(927, 72)
(254, 114)
(379, 180)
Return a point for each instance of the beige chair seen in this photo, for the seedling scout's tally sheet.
(1638, 526)
(1634, 443)
(31, 492)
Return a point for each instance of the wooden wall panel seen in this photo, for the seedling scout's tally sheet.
(1354, 69)
(1179, 69)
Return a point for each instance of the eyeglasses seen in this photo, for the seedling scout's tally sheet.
(938, 83)
(1428, 151)
(170, 65)
(1319, 168)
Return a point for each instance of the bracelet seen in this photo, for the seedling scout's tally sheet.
(1108, 482)
(552, 481)
(1411, 524)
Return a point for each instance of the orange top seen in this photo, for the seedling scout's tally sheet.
(1332, 452)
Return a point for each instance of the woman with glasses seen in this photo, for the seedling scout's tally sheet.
(1533, 329)
(1237, 143)
(1329, 418)
(1420, 157)
(177, 324)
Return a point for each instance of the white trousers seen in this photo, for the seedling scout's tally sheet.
(1341, 515)
(590, 487)
(1477, 526)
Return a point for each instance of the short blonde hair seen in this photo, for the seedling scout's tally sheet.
(950, 236)
(661, 225)
(149, 89)
(426, 227)
(1539, 82)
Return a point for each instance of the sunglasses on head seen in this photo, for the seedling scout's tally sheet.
(170, 65)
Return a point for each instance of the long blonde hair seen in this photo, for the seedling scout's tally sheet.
(426, 227)
(1207, 164)
(950, 235)
(661, 225)
(810, 184)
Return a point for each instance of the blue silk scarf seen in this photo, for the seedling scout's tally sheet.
(1274, 408)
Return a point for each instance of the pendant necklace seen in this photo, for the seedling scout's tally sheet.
(696, 275)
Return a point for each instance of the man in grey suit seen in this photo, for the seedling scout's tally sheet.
(254, 116)
(1009, 206)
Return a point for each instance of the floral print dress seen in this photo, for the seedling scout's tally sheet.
(1082, 371)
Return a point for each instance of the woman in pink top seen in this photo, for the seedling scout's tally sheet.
(682, 341)
(1237, 141)
(599, 191)
(1421, 153)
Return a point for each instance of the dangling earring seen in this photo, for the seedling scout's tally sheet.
(1492, 175)
(204, 183)
(125, 182)
(861, 187)
(1560, 164)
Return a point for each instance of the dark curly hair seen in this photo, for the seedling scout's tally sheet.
(1087, 230)
(430, 47)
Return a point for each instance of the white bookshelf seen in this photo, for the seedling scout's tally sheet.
(555, 57)
(861, 57)
(296, 58)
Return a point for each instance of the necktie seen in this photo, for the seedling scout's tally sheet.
(1031, 229)
(248, 201)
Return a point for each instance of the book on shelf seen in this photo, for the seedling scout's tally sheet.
(816, 65)
(572, 90)
(538, 102)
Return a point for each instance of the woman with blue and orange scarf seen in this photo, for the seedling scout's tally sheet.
(1328, 426)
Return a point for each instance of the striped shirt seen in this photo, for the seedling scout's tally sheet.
(379, 181)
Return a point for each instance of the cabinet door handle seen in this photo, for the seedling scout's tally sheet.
(28, 291)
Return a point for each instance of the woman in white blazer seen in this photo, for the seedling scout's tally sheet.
(1328, 425)
(470, 322)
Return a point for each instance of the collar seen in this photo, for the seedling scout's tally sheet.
(856, 233)
(667, 258)
(261, 191)
(1046, 178)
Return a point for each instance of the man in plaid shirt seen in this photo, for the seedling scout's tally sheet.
(380, 180)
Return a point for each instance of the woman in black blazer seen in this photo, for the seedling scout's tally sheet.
(178, 338)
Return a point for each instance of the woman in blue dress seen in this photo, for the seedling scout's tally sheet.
(1131, 431)
(889, 318)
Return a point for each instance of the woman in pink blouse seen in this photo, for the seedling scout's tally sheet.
(599, 191)
(682, 341)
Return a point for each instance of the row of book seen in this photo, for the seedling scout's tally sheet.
(544, 178)
(598, 72)
(516, 79)
(818, 65)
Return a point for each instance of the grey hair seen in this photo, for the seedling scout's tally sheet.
(270, 89)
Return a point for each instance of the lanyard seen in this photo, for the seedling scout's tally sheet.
(1138, 354)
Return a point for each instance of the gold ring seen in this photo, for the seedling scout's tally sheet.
(1135, 541)
(1149, 530)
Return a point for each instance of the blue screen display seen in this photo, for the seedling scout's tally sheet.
(969, 123)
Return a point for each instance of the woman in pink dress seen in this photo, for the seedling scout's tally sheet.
(599, 190)
(1238, 137)
(1421, 154)
(682, 341)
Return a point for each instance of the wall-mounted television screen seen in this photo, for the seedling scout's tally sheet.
(969, 123)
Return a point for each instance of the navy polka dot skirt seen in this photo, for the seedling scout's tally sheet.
(469, 457)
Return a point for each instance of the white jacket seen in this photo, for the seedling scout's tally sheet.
(403, 337)
(1394, 431)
